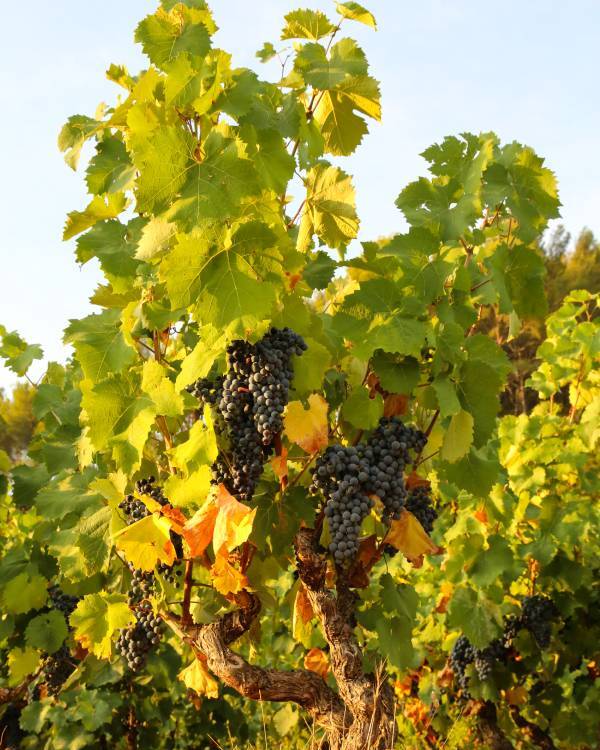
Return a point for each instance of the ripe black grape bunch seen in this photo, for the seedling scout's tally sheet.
(250, 400)
(58, 667)
(350, 476)
(137, 640)
(538, 612)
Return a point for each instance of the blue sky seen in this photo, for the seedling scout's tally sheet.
(524, 68)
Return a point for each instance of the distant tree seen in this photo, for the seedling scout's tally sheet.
(578, 269)
(17, 422)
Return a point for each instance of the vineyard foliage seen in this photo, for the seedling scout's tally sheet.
(219, 209)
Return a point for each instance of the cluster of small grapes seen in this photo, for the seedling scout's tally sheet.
(206, 390)
(135, 642)
(272, 374)
(62, 602)
(348, 477)
(171, 573)
(56, 669)
(142, 586)
(537, 614)
(420, 504)
(250, 400)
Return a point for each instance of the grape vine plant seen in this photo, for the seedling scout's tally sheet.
(275, 467)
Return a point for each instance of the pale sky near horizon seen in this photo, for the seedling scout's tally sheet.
(527, 69)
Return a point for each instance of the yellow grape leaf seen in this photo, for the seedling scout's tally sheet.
(308, 428)
(21, 663)
(227, 579)
(407, 535)
(234, 521)
(198, 531)
(196, 677)
(147, 542)
(317, 661)
(96, 618)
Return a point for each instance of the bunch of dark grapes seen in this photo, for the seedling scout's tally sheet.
(171, 573)
(250, 400)
(62, 602)
(270, 379)
(537, 615)
(133, 508)
(206, 390)
(56, 669)
(141, 587)
(135, 642)
(420, 504)
(349, 475)
(461, 656)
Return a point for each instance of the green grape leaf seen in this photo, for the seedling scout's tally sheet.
(319, 270)
(100, 345)
(394, 641)
(459, 437)
(47, 632)
(306, 24)
(110, 171)
(162, 391)
(200, 447)
(398, 599)
(476, 473)
(361, 410)
(17, 353)
(94, 540)
(474, 616)
(356, 12)
(445, 390)
(96, 618)
(24, 592)
(164, 36)
(330, 208)
(99, 208)
(73, 135)
(21, 663)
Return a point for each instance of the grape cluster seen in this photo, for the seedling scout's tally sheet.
(270, 379)
(141, 587)
(420, 504)
(537, 614)
(56, 669)
(348, 477)
(62, 602)
(171, 573)
(250, 400)
(138, 639)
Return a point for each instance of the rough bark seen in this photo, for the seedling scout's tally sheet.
(299, 686)
(369, 698)
(490, 732)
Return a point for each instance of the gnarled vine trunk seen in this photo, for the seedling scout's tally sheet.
(361, 714)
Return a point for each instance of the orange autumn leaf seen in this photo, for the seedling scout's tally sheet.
(293, 279)
(173, 514)
(368, 555)
(198, 531)
(227, 579)
(303, 611)
(279, 464)
(316, 661)
(516, 696)
(481, 515)
(395, 405)
(234, 521)
(308, 428)
(408, 536)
